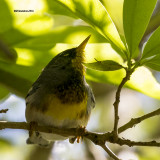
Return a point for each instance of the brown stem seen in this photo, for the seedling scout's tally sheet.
(134, 143)
(116, 103)
(97, 138)
(110, 153)
(3, 110)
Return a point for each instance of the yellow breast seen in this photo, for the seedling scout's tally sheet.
(61, 111)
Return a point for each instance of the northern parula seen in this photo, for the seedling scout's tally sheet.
(60, 97)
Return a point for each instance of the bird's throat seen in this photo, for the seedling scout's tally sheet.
(77, 63)
(73, 90)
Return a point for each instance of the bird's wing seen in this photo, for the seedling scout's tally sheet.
(91, 99)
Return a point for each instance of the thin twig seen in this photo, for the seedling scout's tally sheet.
(134, 143)
(7, 51)
(110, 153)
(116, 103)
(137, 120)
(129, 72)
(3, 110)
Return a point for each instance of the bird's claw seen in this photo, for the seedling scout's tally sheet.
(32, 126)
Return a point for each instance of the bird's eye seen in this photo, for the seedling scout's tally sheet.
(63, 67)
(67, 54)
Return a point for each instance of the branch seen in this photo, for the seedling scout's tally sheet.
(116, 103)
(4, 110)
(137, 120)
(94, 137)
(134, 143)
(97, 138)
(110, 153)
(8, 53)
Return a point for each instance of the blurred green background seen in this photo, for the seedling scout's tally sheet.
(29, 40)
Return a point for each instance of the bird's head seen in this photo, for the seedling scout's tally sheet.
(70, 59)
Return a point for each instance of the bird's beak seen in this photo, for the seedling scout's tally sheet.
(82, 46)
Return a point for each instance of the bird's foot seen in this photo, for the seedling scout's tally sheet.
(32, 126)
(79, 138)
(35, 136)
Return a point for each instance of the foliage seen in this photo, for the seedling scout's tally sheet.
(36, 37)
(28, 41)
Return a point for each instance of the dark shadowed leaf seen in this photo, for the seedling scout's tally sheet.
(3, 92)
(107, 65)
(5, 17)
(154, 63)
(7, 53)
(152, 47)
(14, 83)
(16, 78)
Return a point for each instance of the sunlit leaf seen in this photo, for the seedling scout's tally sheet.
(38, 8)
(36, 25)
(56, 8)
(107, 65)
(136, 16)
(94, 13)
(142, 80)
(115, 10)
(152, 47)
(30, 23)
(66, 34)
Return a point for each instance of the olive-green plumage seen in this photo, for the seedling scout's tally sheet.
(60, 96)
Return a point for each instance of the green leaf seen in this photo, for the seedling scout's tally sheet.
(154, 66)
(94, 13)
(107, 65)
(136, 16)
(152, 47)
(15, 83)
(56, 8)
(5, 17)
(142, 80)
(14, 36)
(7, 53)
(65, 34)
(115, 10)
(17, 78)
(3, 92)
(154, 63)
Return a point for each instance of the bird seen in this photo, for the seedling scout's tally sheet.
(60, 97)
